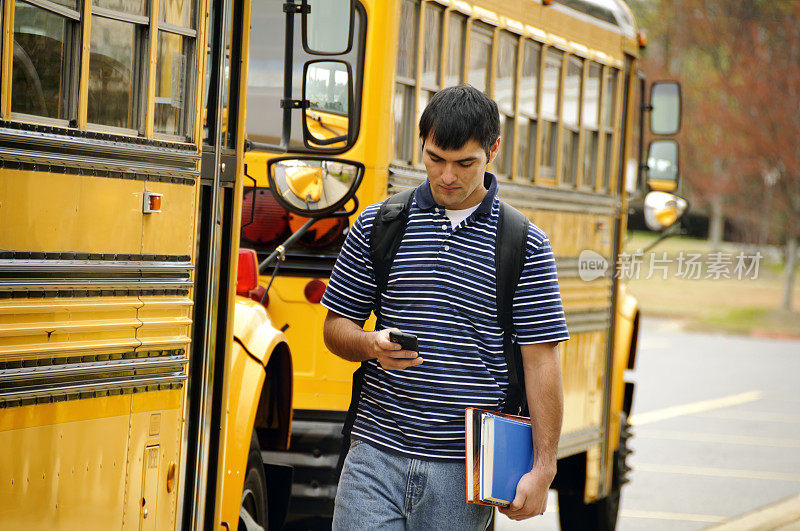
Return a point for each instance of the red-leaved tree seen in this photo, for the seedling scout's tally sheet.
(739, 64)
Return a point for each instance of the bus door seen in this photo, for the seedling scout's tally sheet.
(218, 204)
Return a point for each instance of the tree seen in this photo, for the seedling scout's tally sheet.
(739, 64)
(764, 90)
(681, 48)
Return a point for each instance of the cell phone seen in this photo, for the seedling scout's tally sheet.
(406, 341)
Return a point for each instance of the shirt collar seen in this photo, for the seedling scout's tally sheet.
(425, 201)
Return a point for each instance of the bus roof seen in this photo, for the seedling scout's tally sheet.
(614, 12)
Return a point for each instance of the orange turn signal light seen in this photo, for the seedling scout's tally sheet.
(171, 477)
(151, 203)
(642, 37)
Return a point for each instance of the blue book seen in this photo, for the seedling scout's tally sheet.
(499, 451)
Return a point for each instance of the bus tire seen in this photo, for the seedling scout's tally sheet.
(253, 513)
(601, 515)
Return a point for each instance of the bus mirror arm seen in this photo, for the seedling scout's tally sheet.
(278, 149)
(280, 251)
(289, 8)
(253, 203)
(675, 230)
(329, 141)
(279, 254)
(643, 108)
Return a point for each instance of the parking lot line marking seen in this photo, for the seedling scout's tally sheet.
(715, 472)
(694, 407)
(776, 442)
(758, 416)
(784, 515)
(660, 515)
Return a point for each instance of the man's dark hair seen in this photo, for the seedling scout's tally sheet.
(456, 115)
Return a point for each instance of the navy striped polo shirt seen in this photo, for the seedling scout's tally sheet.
(441, 288)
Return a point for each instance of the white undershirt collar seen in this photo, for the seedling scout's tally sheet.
(457, 216)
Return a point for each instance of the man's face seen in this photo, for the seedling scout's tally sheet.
(456, 175)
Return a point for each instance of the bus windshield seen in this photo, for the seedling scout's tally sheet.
(265, 76)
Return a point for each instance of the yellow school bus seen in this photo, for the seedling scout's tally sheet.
(145, 380)
(566, 79)
(138, 381)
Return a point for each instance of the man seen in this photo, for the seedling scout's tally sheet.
(405, 466)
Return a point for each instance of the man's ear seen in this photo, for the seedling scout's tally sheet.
(494, 150)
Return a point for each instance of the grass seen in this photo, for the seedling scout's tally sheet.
(744, 306)
(753, 321)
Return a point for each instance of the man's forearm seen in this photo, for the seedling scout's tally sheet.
(546, 406)
(346, 339)
(545, 401)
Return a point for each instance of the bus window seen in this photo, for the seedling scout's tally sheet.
(177, 13)
(590, 116)
(43, 80)
(570, 117)
(551, 89)
(431, 55)
(480, 52)
(456, 37)
(504, 94)
(406, 79)
(130, 7)
(210, 107)
(265, 74)
(609, 116)
(176, 46)
(113, 86)
(175, 52)
(528, 97)
(633, 91)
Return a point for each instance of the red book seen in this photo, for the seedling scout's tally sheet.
(475, 449)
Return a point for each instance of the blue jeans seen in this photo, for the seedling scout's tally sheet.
(379, 490)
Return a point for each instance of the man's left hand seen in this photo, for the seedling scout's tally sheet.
(531, 497)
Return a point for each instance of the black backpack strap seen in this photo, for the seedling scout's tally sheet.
(510, 246)
(388, 229)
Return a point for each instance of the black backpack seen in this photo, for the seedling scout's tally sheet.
(388, 229)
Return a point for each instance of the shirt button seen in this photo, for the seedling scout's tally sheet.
(446, 247)
(437, 210)
(444, 227)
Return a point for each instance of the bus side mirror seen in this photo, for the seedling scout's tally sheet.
(328, 104)
(662, 169)
(662, 210)
(665, 103)
(328, 26)
(313, 186)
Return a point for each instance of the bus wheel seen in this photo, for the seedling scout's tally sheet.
(253, 511)
(602, 514)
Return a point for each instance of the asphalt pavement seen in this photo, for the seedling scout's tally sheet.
(716, 433)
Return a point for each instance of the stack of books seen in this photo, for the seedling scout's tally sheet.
(499, 451)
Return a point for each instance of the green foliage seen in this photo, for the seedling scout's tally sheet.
(752, 321)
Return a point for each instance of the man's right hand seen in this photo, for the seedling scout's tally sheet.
(390, 355)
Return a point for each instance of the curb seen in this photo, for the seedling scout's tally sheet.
(771, 334)
(767, 518)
